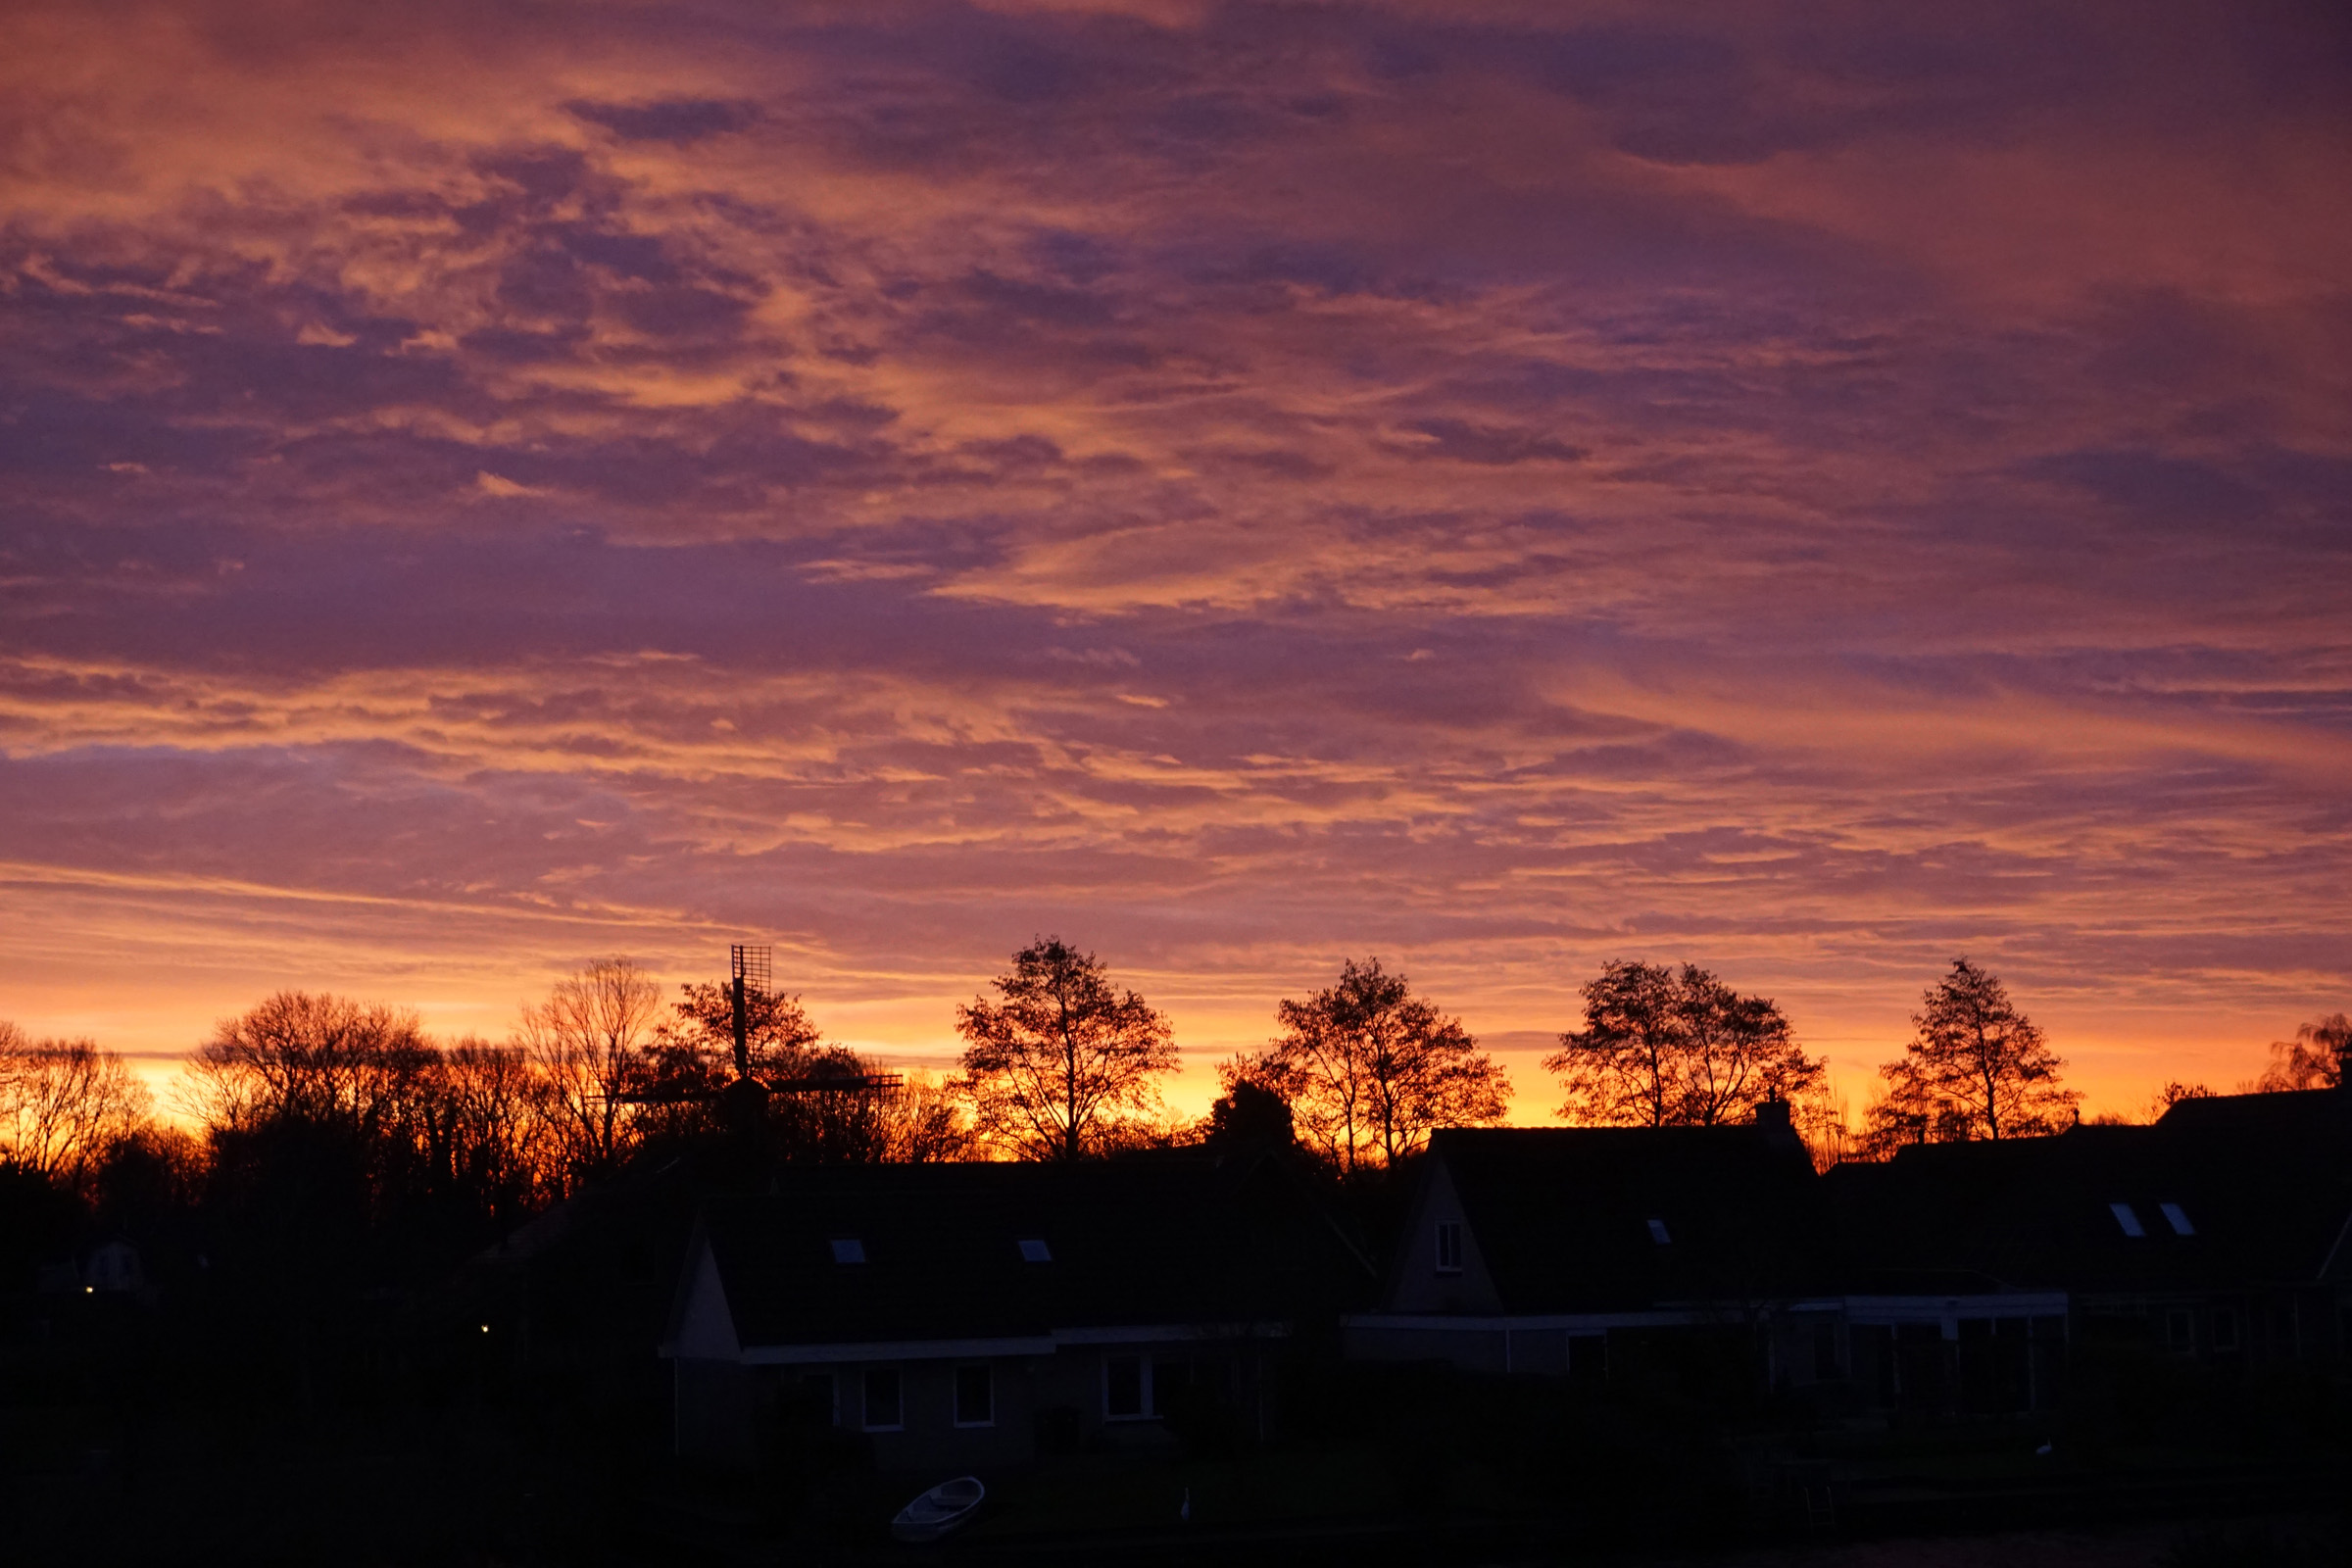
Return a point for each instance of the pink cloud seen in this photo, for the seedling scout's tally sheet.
(1511, 488)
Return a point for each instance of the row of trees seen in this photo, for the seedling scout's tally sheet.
(1063, 1065)
(1060, 1063)
(1662, 1048)
(1364, 1069)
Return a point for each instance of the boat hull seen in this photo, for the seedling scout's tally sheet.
(942, 1510)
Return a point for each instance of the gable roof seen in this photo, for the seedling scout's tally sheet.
(1178, 1241)
(2260, 1180)
(1561, 1217)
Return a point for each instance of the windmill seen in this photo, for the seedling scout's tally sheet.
(749, 978)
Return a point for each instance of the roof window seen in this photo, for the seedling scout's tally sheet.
(2177, 1218)
(849, 1249)
(1035, 1250)
(1657, 1233)
(2127, 1218)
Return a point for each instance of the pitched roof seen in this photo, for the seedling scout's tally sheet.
(1131, 1242)
(1562, 1215)
(2260, 1181)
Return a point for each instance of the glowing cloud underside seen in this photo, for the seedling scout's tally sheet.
(1499, 488)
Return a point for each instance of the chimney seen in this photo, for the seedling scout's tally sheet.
(1772, 1120)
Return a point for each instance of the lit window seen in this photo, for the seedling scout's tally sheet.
(1657, 1233)
(883, 1410)
(849, 1250)
(1035, 1250)
(1449, 1247)
(1123, 1388)
(2126, 1218)
(2177, 1219)
(975, 1396)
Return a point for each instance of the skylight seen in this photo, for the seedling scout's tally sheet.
(1657, 1233)
(2177, 1218)
(1035, 1250)
(849, 1249)
(2126, 1218)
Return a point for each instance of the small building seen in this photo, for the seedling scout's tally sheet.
(112, 1267)
(2217, 1234)
(970, 1315)
(1644, 1255)
(1706, 1259)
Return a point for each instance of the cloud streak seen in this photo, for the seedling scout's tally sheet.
(1507, 488)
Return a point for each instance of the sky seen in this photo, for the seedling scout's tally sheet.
(1812, 490)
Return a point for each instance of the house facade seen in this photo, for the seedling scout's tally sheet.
(2216, 1235)
(966, 1316)
(1952, 1278)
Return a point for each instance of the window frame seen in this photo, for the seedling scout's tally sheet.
(988, 1371)
(865, 1400)
(1449, 1247)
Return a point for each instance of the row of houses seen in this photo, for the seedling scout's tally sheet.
(963, 1316)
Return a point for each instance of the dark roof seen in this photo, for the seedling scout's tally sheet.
(1561, 1215)
(2260, 1179)
(2312, 1124)
(1146, 1242)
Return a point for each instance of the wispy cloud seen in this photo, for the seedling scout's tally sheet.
(1236, 485)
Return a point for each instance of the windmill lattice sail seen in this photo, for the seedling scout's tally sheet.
(751, 981)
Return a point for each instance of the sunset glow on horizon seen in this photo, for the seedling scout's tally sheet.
(1812, 492)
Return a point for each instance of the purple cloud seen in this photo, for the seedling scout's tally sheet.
(1807, 496)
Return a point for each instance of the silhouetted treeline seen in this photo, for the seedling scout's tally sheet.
(335, 1140)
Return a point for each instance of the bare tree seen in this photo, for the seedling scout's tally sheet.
(1661, 1049)
(2314, 1059)
(491, 1141)
(63, 1105)
(1369, 1070)
(923, 1121)
(1062, 1058)
(317, 1059)
(1619, 1070)
(1975, 1068)
(920, 1120)
(589, 1041)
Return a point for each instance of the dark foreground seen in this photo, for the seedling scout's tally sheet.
(1544, 1478)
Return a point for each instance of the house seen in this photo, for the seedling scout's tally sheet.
(1601, 1254)
(961, 1316)
(2217, 1233)
(1704, 1258)
(1953, 1278)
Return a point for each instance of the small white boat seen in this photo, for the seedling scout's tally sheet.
(950, 1505)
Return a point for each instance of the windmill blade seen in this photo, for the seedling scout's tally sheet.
(834, 1083)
